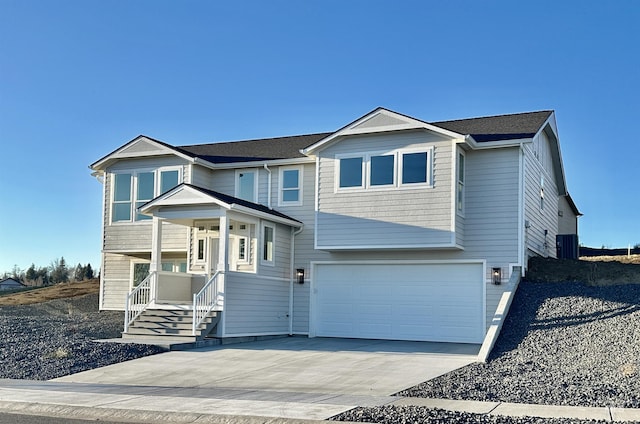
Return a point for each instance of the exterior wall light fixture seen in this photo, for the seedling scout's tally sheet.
(300, 275)
(497, 275)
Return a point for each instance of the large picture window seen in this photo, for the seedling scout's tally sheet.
(133, 189)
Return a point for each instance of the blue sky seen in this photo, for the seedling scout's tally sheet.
(80, 78)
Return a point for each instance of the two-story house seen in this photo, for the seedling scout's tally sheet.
(390, 228)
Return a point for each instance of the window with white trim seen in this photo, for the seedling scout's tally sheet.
(133, 189)
(290, 193)
(246, 185)
(268, 244)
(351, 172)
(384, 170)
(460, 186)
(174, 266)
(139, 271)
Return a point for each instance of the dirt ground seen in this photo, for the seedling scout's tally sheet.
(594, 270)
(43, 294)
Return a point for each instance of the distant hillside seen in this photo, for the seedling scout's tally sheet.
(597, 271)
(590, 251)
(44, 294)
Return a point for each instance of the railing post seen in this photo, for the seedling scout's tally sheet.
(126, 313)
(195, 318)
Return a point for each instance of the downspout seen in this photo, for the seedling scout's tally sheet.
(292, 278)
(101, 177)
(522, 237)
(266, 168)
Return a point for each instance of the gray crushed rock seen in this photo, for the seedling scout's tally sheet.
(54, 339)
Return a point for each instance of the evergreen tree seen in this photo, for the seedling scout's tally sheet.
(32, 274)
(59, 271)
(88, 272)
(78, 275)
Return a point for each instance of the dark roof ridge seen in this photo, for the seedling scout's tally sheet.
(494, 116)
(257, 139)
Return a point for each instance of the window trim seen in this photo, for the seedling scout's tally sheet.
(132, 264)
(255, 183)
(263, 247)
(429, 170)
(461, 204)
(133, 190)
(338, 159)
(397, 171)
(281, 189)
(368, 168)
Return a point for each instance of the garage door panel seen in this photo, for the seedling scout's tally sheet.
(436, 302)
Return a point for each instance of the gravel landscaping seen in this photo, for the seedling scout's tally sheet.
(52, 339)
(562, 344)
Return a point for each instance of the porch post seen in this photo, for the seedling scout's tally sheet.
(223, 245)
(156, 253)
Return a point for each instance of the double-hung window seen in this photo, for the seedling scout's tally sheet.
(133, 189)
(290, 186)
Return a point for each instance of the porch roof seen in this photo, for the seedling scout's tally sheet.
(185, 198)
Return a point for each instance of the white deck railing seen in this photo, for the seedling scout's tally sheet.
(204, 301)
(138, 300)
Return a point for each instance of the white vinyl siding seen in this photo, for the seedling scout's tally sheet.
(255, 305)
(417, 216)
(247, 185)
(541, 231)
(116, 281)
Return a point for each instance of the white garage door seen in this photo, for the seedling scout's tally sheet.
(427, 302)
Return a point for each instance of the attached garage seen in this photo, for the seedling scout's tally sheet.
(443, 302)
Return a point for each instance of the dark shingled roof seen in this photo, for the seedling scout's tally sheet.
(496, 128)
(254, 150)
(490, 128)
(234, 200)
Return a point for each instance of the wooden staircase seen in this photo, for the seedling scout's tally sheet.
(170, 325)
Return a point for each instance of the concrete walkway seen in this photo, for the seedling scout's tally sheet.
(292, 380)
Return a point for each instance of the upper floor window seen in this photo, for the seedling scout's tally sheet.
(460, 189)
(290, 186)
(351, 172)
(246, 185)
(384, 170)
(133, 189)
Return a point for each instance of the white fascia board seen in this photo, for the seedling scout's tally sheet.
(256, 163)
(351, 129)
(443, 246)
(265, 216)
(498, 144)
(102, 164)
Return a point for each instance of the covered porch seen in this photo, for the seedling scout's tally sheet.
(225, 242)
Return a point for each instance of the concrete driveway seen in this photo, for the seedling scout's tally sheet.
(293, 365)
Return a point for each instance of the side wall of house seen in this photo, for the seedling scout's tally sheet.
(567, 219)
(541, 199)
